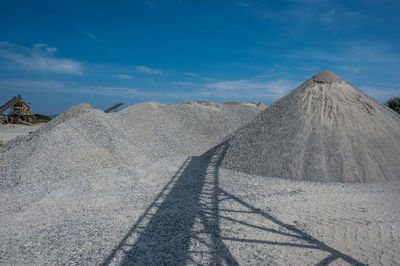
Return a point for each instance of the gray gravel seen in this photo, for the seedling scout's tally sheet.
(179, 210)
(84, 140)
(49, 177)
(324, 130)
(133, 187)
(10, 131)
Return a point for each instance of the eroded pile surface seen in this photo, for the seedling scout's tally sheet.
(324, 130)
(85, 140)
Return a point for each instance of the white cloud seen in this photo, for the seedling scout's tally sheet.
(50, 50)
(276, 86)
(208, 79)
(213, 91)
(183, 83)
(250, 88)
(38, 58)
(123, 76)
(33, 85)
(348, 68)
(53, 86)
(381, 94)
(352, 53)
(148, 70)
(190, 74)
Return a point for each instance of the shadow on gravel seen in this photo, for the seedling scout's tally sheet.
(182, 225)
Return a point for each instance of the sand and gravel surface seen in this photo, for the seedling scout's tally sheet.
(154, 185)
(9, 132)
(180, 210)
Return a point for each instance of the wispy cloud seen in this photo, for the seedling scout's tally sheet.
(382, 94)
(85, 31)
(352, 52)
(348, 68)
(34, 85)
(334, 17)
(52, 86)
(243, 4)
(123, 76)
(183, 83)
(328, 17)
(304, 14)
(256, 88)
(39, 58)
(50, 50)
(276, 86)
(240, 90)
(190, 74)
(148, 70)
(149, 4)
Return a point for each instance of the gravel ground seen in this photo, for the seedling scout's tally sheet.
(325, 130)
(178, 210)
(9, 132)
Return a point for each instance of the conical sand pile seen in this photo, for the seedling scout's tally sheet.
(324, 130)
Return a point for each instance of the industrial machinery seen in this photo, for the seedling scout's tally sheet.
(19, 111)
(113, 108)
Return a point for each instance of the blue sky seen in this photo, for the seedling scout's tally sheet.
(60, 53)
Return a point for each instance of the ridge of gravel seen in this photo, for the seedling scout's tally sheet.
(83, 140)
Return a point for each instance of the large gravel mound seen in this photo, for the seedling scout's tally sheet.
(181, 129)
(324, 130)
(84, 140)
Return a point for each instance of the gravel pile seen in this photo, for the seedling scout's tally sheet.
(120, 188)
(260, 105)
(84, 140)
(325, 130)
(182, 129)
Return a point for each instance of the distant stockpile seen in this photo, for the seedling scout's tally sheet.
(183, 129)
(325, 130)
(260, 105)
(85, 140)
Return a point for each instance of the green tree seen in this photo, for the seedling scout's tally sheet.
(394, 103)
(39, 118)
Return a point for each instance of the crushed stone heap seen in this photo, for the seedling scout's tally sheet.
(260, 105)
(324, 130)
(84, 140)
